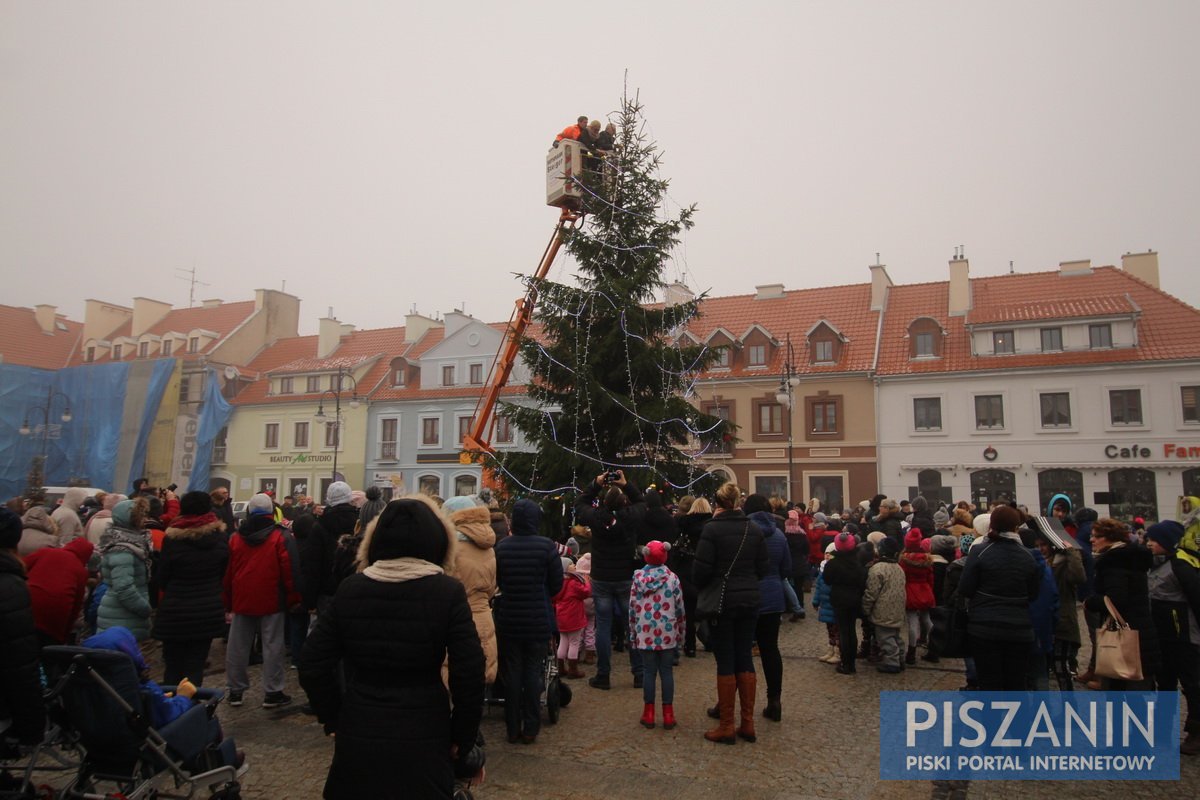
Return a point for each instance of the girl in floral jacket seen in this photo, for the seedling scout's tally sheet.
(656, 626)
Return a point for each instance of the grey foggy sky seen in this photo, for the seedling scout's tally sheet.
(381, 155)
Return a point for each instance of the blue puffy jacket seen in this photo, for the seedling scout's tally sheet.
(779, 561)
(822, 601)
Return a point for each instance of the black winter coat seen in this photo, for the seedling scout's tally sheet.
(333, 524)
(189, 573)
(309, 544)
(682, 557)
(614, 536)
(846, 578)
(1000, 579)
(394, 722)
(20, 683)
(529, 574)
(891, 527)
(715, 555)
(1121, 576)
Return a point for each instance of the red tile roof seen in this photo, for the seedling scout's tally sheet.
(1168, 328)
(23, 342)
(221, 320)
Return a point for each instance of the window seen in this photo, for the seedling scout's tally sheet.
(504, 431)
(925, 338)
(143, 349)
(822, 351)
(300, 435)
(117, 352)
(464, 485)
(388, 428)
(475, 374)
(823, 416)
(90, 355)
(285, 385)
(724, 412)
(338, 382)
(429, 484)
(769, 419)
(312, 384)
(1056, 409)
(464, 427)
(398, 376)
(166, 347)
(448, 375)
(185, 388)
(331, 434)
(1051, 339)
(989, 411)
(219, 446)
(271, 437)
(1188, 396)
(194, 344)
(1125, 406)
(431, 431)
(1100, 336)
(722, 357)
(757, 354)
(1133, 493)
(927, 413)
(923, 345)
(1060, 481)
(992, 486)
(1002, 343)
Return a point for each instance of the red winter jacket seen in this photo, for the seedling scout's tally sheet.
(918, 580)
(57, 580)
(569, 611)
(170, 511)
(258, 580)
(816, 550)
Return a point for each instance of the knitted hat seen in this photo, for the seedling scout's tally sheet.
(566, 562)
(830, 548)
(584, 565)
(10, 530)
(982, 523)
(820, 519)
(943, 546)
(655, 552)
(965, 542)
(888, 548)
(845, 542)
(926, 545)
(1167, 533)
(875, 537)
(941, 518)
(337, 494)
(358, 498)
(260, 504)
(195, 504)
(912, 540)
(459, 503)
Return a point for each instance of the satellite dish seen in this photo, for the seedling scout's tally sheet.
(231, 373)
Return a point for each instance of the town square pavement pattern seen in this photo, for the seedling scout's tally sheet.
(827, 745)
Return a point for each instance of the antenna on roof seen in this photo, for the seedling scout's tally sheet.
(331, 312)
(189, 275)
(1010, 268)
(877, 260)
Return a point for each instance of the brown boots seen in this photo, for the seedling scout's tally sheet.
(732, 689)
(727, 689)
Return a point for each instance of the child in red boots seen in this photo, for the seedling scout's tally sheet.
(656, 625)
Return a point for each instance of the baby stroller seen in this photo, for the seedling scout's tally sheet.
(58, 752)
(556, 695)
(105, 706)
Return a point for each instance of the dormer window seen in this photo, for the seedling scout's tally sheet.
(312, 384)
(143, 349)
(166, 347)
(116, 353)
(1100, 336)
(925, 338)
(1003, 343)
(285, 385)
(194, 344)
(89, 355)
(1051, 340)
(723, 358)
(398, 376)
(822, 351)
(756, 355)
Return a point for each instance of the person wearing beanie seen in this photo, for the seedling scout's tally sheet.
(528, 575)
(656, 626)
(583, 569)
(823, 603)
(847, 579)
(922, 517)
(20, 671)
(941, 520)
(189, 576)
(259, 589)
(1174, 585)
(889, 521)
(340, 518)
(919, 594)
(57, 579)
(883, 602)
(475, 566)
(400, 730)
(570, 613)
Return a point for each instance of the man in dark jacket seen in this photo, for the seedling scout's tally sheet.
(529, 574)
(338, 520)
(20, 683)
(614, 511)
(922, 517)
(223, 508)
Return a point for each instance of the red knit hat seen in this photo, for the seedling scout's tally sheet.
(912, 540)
(845, 542)
(655, 553)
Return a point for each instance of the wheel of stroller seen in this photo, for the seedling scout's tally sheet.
(463, 793)
(564, 695)
(553, 698)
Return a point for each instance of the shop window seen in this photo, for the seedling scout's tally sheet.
(1059, 481)
(830, 490)
(992, 486)
(465, 485)
(1191, 483)
(1133, 493)
(429, 484)
(771, 485)
(929, 486)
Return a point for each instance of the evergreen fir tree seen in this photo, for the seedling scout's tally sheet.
(35, 490)
(607, 360)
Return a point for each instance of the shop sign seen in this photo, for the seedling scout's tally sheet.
(1180, 451)
(302, 458)
(1131, 452)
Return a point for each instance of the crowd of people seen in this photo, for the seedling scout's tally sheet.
(403, 617)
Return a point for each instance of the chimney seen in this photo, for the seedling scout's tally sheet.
(210, 303)
(880, 283)
(147, 313)
(100, 319)
(677, 293)
(1139, 265)
(329, 335)
(769, 291)
(1082, 267)
(415, 326)
(44, 314)
(960, 286)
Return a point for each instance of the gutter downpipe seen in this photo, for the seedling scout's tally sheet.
(875, 382)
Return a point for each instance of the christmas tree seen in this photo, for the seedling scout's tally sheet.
(35, 491)
(610, 372)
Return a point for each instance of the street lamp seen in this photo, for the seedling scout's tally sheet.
(51, 394)
(788, 381)
(342, 372)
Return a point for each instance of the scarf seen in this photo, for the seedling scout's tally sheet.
(1010, 535)
(399, 570)
(136, 542)
(194, 521)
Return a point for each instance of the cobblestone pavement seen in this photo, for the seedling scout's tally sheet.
(826, 746)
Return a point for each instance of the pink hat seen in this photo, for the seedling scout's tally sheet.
(845, 542)
(655, 552)
(912, 540)
(926, 544)
(584, 565)
(358, 498)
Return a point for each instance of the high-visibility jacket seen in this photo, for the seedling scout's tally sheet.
(569, 132)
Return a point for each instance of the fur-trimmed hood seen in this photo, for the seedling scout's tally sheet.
(451, 535)
(476, 525)
(194, 527)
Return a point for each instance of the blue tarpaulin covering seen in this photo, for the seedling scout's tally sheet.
(159, 378)
(214, 415)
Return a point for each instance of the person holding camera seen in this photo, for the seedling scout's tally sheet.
(612, 508)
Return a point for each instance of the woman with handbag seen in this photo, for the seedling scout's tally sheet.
(731, 558)
(1121, 568)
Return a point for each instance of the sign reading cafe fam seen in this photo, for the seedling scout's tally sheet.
(1131, 736)
(302, 458)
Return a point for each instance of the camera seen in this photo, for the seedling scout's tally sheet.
(612, 476)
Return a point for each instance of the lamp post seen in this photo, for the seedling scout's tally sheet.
(342, 372)
(51, 394)
(788, 380)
